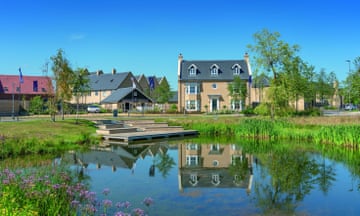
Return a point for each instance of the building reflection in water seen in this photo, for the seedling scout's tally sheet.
(214, 165)
(116, 156)
(199, 165)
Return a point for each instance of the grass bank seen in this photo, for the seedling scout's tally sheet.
(44, 136)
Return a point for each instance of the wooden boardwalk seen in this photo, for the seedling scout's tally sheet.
(149, 135)
(141, 131)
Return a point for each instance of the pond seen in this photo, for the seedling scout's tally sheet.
(193, 177)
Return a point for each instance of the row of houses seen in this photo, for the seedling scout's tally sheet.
(202, 87)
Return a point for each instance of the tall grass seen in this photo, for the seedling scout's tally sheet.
(345, 135)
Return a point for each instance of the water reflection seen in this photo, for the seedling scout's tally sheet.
(214, 165)
(192, 177)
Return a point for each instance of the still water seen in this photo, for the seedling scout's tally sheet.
(190, 177)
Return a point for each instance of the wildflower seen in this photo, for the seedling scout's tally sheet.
(121, 214)
(106, 191)
(138, 212)
(75, 203)
(107, 203)
(148, 201)
(56, 186)
(5, 181)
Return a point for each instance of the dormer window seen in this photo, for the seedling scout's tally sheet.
(214, 69)
(236, 69)
(192, 70)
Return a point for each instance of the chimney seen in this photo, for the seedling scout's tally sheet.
(99, 72)
(180, 59)
(113, 71)
(246, 57)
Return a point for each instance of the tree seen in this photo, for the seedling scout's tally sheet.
(237, 90)
(80, 86)
(63, 76)
(279, 58)
(162, 93)
(36, 104)
(325, 85)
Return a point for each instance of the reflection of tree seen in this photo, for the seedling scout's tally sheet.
(288, 177)
(326, 176)
(240, 168)
(164, 163)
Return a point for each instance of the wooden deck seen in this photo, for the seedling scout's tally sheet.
(149, 135)
(141, 131)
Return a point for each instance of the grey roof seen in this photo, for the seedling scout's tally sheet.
(174, 98)
(106, 81)
(120, 94)
(225, 70)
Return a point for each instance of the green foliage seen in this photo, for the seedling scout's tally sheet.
(36, 105)
(263, 109)
(162, 93)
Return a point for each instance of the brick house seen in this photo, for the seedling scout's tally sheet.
(15, 96)
(202, 84)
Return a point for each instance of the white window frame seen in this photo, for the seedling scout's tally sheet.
(192, 146)
(192, 88)
(192, 105)
(192, 160)
(234, 104)
(236, 69)
(214, 71)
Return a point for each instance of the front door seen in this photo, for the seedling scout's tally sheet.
(214, 104)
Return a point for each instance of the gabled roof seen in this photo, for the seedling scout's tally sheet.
(120, 94)
(32, 85)
(203, 67)
(106, 81)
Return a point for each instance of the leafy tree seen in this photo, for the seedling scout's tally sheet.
(36, 104)
(80, 86)
(162, 93)
(288, 82)
(63, 76)
(325, 85)
(237, 90)
(164, 162)
(351, 91)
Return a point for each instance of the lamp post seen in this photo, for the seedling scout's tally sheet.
(13, 100)
(349, 62)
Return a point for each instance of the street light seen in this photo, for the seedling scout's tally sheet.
(349, 62)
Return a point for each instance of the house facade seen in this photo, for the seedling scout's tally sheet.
(16, 95)
(114, 91)
(203, 84)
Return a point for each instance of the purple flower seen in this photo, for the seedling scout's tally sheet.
(5, 181)
(107, 203)
(148, 201)
(56, 186)
(106, 191)
(139, 212)
(121, 214)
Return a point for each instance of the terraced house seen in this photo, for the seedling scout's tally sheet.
(203, 84)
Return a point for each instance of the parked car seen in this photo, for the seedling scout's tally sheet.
(350, 107)
(93, 109)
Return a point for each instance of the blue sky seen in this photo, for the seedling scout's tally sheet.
(146, 37)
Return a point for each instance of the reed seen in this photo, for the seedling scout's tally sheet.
(345, 135)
